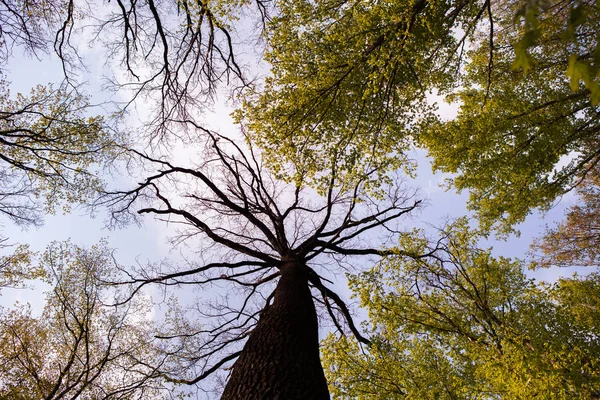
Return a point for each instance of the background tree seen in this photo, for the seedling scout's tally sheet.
(50, 152)
(574, 241)
(462, 324)
(48, 141)
(521, 139)
(81, 346)
(269, 240)
(28, 26)
(351, 80)
(16, 268)
(51, 156)
(171, 55)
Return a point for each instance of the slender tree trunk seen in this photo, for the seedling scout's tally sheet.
(281, 357)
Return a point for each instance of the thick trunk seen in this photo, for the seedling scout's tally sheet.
(281, 358)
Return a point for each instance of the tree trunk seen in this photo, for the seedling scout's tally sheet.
(281, 357)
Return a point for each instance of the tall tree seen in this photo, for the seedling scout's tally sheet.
(462, 324)
(81, 346)
(257, 231)
(351, 80)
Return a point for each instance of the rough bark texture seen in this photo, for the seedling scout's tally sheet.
(281, 358)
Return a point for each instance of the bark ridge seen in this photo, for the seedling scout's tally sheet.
(281, 357)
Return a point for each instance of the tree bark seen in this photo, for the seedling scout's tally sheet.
(281, 360)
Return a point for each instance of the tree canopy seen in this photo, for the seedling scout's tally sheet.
(349, 81)
(351, 84)
(51, 152)
(81, 346)
(575, 240)
(522, 137)
(462, 324)
(257, 231)
(316, 169)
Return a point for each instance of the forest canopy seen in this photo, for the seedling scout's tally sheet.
(331, 99)
(463, 324)
(351, 85)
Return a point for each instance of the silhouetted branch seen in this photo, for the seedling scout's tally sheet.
(261, 224)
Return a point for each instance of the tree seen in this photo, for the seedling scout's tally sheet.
(462, 324)
(369, 108)
(28, 25)
(571, 22)
(49, 149)
(575, 240)
(172, 56)
(257, 231)
(521, 139)
(81, 346)
(51, 155)
(351, 80)
(347, 98)
(176, 54)
(16, 268)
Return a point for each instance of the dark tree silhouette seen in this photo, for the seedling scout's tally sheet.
(262, 231)
(172, 55)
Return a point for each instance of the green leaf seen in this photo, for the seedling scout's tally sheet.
(522, 59)
(577, 17)
(577, 71)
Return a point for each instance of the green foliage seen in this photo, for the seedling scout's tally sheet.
(348, 83)
(50, 149)
(575, 25)
(462, 324)
(510, 143)
(16, 268)
(575, 241)
(348, 90)
(81, 346)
